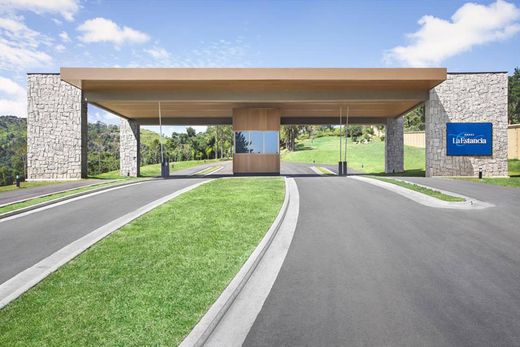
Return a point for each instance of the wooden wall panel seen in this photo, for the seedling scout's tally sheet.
(256, 119)
(263, 119)
(256, 163)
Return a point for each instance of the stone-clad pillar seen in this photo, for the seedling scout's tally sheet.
(394, 145)
(56, 129)
(129, 148)
(467, 98)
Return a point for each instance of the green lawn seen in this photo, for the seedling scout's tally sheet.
(150, 282)
(421, 189)
(155, 169)
(514, 167)
(369, 158)
(31, 202)
(513, 181)
(29, 185)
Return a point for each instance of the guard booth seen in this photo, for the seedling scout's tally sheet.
(256, 102)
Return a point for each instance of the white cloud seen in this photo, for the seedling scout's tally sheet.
(60, 48)
(104, 30)
(64, 36)
(13, 99)
(20, 45)
(66, 8)
(96, 114)
(471, 25)
(220, 53)
(158, 53)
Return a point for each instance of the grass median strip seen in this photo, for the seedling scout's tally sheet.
(431, 192)
(31, 184)
(35, 201)
(151, 281)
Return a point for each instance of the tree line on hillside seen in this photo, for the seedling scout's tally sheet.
(103, 146)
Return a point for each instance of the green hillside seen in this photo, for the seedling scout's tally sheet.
(369, 158)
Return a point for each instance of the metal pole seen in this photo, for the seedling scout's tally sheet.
(346, 133)
(346, 141)
(216, 141)
(161, 140)
(340, 164)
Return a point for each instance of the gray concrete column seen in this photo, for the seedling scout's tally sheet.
(129, 148)
(56, 129)
(467, 98)
(394, 145)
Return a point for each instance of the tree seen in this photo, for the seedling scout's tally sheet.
(514, 97)
(414, 120)
(288, 135)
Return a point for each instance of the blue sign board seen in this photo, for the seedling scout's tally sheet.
(469, 139)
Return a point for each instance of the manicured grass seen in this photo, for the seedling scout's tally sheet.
(29, 185)
(154, 170)
(514, 167)
(512, 181)
(421, 189)
(499, 181)
(149, 283)
(368, 158)
(31, 202)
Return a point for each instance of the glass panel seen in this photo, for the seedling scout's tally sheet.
(256, 143)
(242, 142)
(271, 142)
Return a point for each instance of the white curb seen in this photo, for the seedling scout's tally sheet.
(19, 284)
(213, 317)
(426, 200)
(56, 192)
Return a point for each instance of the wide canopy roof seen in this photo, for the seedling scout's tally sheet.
(208, 95)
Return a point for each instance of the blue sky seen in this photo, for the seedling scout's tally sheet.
(40, 35)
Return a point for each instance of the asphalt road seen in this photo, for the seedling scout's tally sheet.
(28, 193)
(368, 267)
(26, 240)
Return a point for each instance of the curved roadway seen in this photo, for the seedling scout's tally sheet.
(368, 267)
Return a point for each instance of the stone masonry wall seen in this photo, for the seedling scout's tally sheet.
(475, 97)
(56, 129)
(394, 145)
(129, 148)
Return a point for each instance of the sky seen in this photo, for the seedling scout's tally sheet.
(44, 35)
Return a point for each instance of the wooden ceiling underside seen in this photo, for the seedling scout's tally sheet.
(145, 110)
(213, 93)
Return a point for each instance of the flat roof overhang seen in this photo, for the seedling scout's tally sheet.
(208, 95)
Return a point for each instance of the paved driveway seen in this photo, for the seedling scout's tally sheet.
(368, 267)
(28, 193)
(26, 240)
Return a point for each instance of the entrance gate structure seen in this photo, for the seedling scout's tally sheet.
(256, 102)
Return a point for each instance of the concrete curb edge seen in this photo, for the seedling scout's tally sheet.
(426, 200)
(64, 198)
(56, 192)
(23, 281)
(204, 328)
